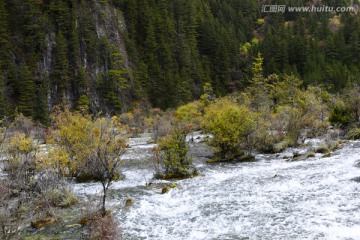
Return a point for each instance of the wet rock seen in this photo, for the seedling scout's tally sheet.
(357, 164)
(129, 202)
(296, 154)
(322, 149)
(356, 179)
(164, 190)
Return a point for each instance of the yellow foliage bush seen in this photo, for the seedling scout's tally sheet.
(230, 124)
(190, 114)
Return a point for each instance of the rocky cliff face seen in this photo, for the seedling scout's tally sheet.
(107, 30)
(68, 52)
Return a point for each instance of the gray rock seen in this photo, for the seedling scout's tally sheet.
(357, 164)
(356, 179)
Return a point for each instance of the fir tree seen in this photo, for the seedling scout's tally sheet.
(60, 74)
(26, 98)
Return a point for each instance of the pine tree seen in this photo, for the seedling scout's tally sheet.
(82, 81)
(41, 113)
(34, 27)
(4, 37)
(5, 57)
(59, 80)
(12, 80)
(259, 88)
(26, 99)
(115, 83)
(60, 13)
(2, 96)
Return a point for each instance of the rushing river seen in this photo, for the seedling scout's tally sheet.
(268, 199)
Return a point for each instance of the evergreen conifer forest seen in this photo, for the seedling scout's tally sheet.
(113, 56)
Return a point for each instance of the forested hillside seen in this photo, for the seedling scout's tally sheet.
(111, 55)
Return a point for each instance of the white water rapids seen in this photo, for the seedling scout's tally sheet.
(268, 199)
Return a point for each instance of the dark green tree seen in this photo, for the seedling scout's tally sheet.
(59, 80)
(26, 97)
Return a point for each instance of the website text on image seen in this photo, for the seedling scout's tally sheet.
(309, 9)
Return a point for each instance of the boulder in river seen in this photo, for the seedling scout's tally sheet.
(164, 190)
(357, 164)
(356, 179)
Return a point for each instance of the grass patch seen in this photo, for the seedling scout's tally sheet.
(310, 155)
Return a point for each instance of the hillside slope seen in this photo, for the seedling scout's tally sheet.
(109, 55)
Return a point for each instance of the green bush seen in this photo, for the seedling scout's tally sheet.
(231, 125)
(354, 133)
(340, 114)
(62, 198)
(190, 114)
(171, 157)
(281, 146)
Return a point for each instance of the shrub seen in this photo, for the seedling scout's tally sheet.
(230, 124)
(135, 120)
(281, 146)
(70, 142)
(162, 125)
(7, 226)
(340, 114)
(354, 133)
(171, 157)
(291, 117)
(95, 147)
(21, 152)
(190, 114)
(62, 198)
(22, 124)
(268, 132)
(101, 227)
